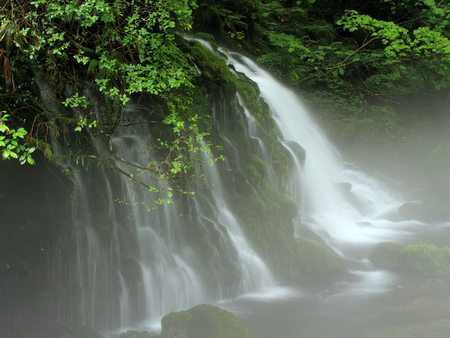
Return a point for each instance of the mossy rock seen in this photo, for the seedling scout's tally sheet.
(137, 334)
(426, 260)
(421, 260)
(85, 332)
(203, 321)
(211, 66)
(386, 255)
(315, 259)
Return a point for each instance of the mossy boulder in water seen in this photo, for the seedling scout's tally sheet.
(85, 332)
(203, 321)
(387, 255)
(316, 259)
(421, 260)
(137, 334)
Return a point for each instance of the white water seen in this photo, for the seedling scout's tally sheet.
(148, 268)
(327, 210)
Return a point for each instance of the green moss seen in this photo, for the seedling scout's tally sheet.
(203, 321)
(208, 37)
(255, 104)
(256, 168)
(422, 259)
(212, 67)
(315, 259)
(281, 160)
(426, 260)
(85, 332)
(137, 334)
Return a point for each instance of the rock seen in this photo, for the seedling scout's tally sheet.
(420, 260)
(85, 332)
(137, 334)
(203, 321)
(59, 330)
(298, 150)
(387, 255)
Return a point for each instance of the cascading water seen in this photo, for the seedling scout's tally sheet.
(137, 262)
(327, 209)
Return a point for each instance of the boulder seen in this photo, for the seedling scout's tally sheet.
(419, 260)
(203, 321)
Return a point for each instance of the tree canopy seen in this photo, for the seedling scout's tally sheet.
(361, 59)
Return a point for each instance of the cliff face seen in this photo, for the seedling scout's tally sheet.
(88, 245)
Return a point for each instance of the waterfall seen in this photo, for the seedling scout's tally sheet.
(344, 206)
(135, 260)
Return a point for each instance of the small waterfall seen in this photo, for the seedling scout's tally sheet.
(136, 261)
(335, 200)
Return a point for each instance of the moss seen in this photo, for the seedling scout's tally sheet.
(421, 259)
(256, 168)
(281, 160)
(203, 321)
(315, 259)
(255, 104)
(426, 260)
(137, 334)
(266, 216)
(279, 204)
(208, 37)
(211, 66)
(85, 332)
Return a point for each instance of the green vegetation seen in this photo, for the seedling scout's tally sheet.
(422, 259)
(203, 321)
(358, 62)
(76, 66)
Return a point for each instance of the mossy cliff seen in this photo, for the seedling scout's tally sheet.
(254, 181)
(45, 257)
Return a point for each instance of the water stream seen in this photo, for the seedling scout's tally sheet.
(152, 265)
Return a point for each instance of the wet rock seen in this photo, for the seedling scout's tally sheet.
(138, 334)
(420, 260)
(203, 321)
(298, 150)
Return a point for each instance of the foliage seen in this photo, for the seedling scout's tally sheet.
(420, 259)
(100, 58)
(359, 60)
(12, 144)
(203, 321)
